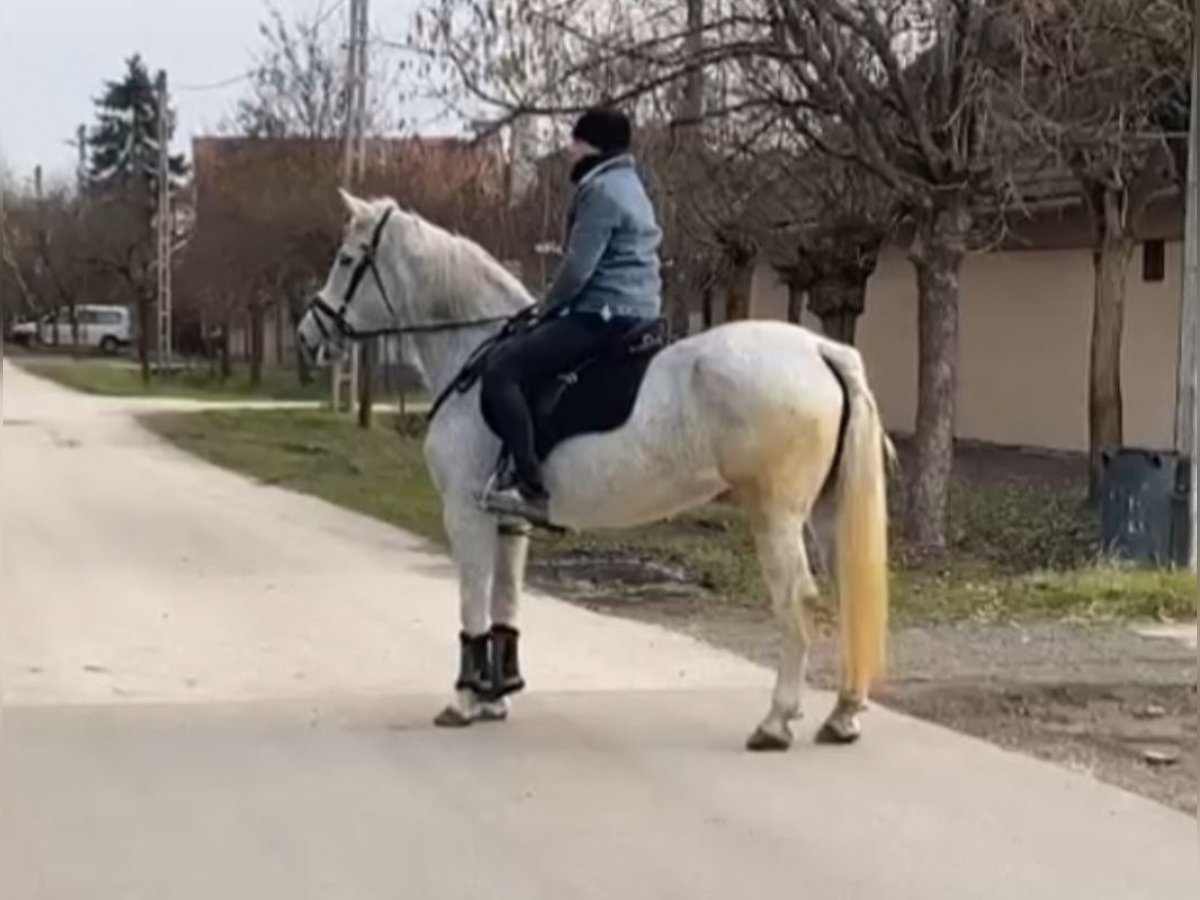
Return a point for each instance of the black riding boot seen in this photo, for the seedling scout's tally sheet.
(506, 669)
(475, 665)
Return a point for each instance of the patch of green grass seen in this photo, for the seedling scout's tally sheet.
(120, 379)
(973, 592)
(1019, 553)
(377, 472)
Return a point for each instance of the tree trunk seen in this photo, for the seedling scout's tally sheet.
(366, 382)
(303, 369)
(838, 301)
(73, 313)
(795, 309)
(707, 312)
(256, 344)
(938, 252)
(840, 326)
(296, 309)
(678, 307)
(143, 312)
(1114, 249)
(223, 349)
(277, 316)
(739, 289)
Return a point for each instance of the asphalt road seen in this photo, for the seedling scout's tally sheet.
(215, 689)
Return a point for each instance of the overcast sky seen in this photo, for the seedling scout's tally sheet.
(56, 54)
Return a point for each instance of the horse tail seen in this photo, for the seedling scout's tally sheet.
(861, 567)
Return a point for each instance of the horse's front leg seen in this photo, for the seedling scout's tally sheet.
(512, 551)
(473, 543)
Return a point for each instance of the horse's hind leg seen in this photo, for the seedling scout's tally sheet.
(780, 543)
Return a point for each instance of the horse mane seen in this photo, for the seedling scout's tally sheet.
(458, 278)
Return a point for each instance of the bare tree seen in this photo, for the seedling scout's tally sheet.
(59, 255)
(50, 254)
(298, 84)
(1095, 78)
(267, 218)
(19, 252)
(118, 245)
(833, 226)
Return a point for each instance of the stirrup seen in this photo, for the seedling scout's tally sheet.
(495, 499)
(515, 515)
(510, 504)
(503, 477)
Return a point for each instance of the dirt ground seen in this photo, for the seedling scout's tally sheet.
(1097, 698)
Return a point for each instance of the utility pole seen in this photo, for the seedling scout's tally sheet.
(164, 228)
(39, 260)
(1185, 394)
(80, 145)
(355, 129)
(356, 369)
(81, 160)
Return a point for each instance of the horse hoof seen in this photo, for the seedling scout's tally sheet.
(765, 742)
(493, 712)
(452, 717)
(838, 734)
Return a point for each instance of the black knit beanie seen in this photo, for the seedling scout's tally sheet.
(608, 130)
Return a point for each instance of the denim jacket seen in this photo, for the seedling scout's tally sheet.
(610, 265)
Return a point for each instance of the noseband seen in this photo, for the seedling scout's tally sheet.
(321, 309)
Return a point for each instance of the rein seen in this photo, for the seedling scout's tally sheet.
(472, 369)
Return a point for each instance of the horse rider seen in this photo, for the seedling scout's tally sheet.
(608, 282)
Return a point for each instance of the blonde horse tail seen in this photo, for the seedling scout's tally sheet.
(861, 531)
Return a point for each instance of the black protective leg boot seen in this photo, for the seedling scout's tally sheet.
(475, 665)
(506, 668)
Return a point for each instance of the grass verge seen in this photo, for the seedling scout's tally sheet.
(1020, 549)
(120, 379)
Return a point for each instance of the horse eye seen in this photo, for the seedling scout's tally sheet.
(345, 260)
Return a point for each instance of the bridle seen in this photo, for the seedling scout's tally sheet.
(322, 310)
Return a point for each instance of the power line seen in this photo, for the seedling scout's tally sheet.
(322, 17)
(217, 85)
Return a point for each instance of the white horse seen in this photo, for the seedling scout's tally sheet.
(762, 410)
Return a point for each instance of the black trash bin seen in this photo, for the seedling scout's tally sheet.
(1144, 506)
(1181, 508)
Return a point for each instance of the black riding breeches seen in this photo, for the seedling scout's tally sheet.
(526, 361)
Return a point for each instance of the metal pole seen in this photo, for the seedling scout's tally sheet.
(164, 227)
(81, 164)
(366, 351)
(348, 136)
(345, 369)
(1185, 397)
(360, 124)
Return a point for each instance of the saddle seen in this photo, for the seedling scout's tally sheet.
(597, 395)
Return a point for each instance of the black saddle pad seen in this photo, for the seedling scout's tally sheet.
(600, 395)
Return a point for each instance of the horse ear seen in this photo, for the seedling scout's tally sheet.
(358, 209)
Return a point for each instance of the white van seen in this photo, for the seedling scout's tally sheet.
(104, 328)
